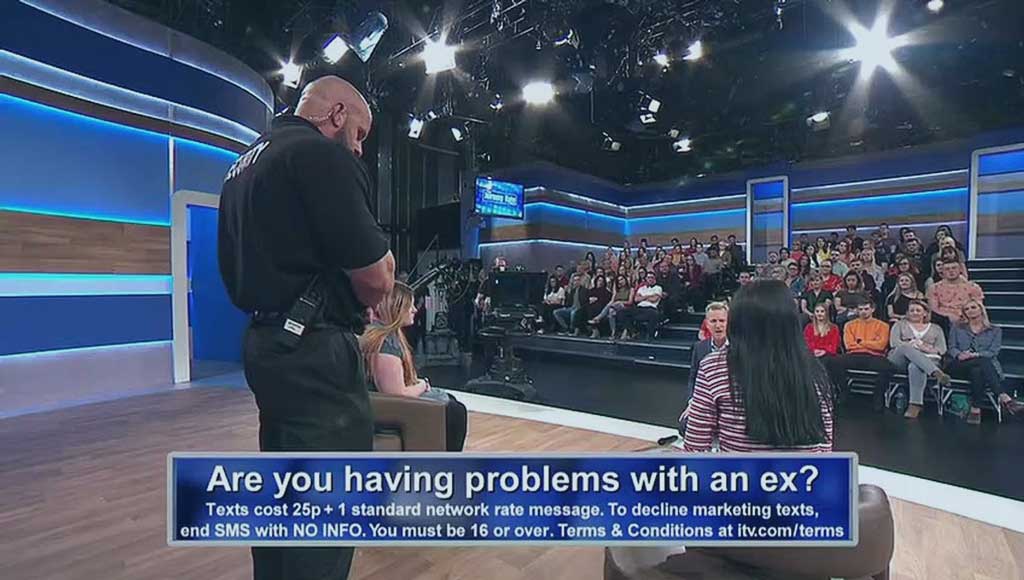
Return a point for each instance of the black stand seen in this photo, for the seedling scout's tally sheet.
(506, 376)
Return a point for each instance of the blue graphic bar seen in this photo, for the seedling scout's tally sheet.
(430, 499)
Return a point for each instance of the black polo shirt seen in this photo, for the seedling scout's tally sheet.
(294, 205)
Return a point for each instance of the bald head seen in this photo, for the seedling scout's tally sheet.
(338, 110)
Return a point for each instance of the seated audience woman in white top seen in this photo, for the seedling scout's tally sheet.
(390, 364)
(917, 347)
(554, 298)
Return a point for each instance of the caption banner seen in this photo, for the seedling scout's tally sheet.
(285, 499)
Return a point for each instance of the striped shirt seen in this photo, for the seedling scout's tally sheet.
(713, 413)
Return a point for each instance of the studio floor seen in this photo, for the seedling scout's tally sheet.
(987, 458)
(84, 498)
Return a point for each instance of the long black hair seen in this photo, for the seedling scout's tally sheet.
(773, 374)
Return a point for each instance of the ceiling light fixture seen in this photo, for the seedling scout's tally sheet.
(438, 56)
(695, 52)
(539, 93)
(335, 49)
(292, 74)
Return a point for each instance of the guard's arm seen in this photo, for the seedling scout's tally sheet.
(375, 281)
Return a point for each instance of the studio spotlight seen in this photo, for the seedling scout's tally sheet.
(648, 118)
(935, 6)
(431, 115)
(819, 121)
(609, 144)
(415, 127)
(438, 56)
(683, 145)
(673, 133)
(695, 52)
(458, 133)
(335, 49)
(497, 104)
(539, 93)
(661, 58)
(649, 103)
(874, 47)
(291, 73)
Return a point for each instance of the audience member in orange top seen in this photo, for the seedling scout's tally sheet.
(866, 339)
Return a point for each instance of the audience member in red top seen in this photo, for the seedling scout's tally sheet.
(821, 334)
(830, 281)
(764, 391)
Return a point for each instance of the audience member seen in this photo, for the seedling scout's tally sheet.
(794, 281)
(739, 255)
(744, 278)
(822, 253)
(563, 278)
(814, 295)
(866, 339)
(764, 391)
(850, 298)
(830, 281)
(886, 243)
(598, 297)
(700, 256)
(948, 253)
(901, 265)
(773, 270)
(845, 253)
(784, 257)
(821, 334)
(621, 294)
(974, 345)
(948, 296)
(839, 267)
(917, 347)
(390, 366)
(898, 301)
(871, 267)
(575, 300)
(805, 266)
(554, 298)
(854, 241)
(645, 314)
(674, 298)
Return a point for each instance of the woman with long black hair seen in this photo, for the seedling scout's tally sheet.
(765, 390)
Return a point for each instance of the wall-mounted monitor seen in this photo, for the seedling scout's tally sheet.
(499, 198)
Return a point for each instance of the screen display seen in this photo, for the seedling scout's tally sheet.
(499, 198)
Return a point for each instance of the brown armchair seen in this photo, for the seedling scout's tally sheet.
(407, 424)
(869, 559)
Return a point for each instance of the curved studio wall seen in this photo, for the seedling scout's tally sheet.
(103, 115)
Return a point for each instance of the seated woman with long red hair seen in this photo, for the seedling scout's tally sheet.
(390, 365)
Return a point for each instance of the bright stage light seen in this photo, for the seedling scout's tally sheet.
(820, 117)
(457, 134)
(415, 128)
(661, 58)
(874, 47)
(292, 74)
(438, 56)
(935, 6)
(335, 49)
(684, 145)
(539, 93)
(695, 52)
(609, 144)
(648, 118)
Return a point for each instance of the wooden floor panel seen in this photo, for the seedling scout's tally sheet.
(83, 497)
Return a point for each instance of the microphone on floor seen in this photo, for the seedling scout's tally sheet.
(668, 440)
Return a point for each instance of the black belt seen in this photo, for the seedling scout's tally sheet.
(265, 318)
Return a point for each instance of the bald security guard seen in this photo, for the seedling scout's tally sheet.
(301, 253)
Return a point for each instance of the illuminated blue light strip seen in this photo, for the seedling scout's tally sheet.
(693, 215)
(40, 284)
(546, 241)
(574, 210)
(44, 6)
(687, 201)
(581, 198)
(916, 225)
(80, 350)
(895, 196)
(84, 216)
(886, 180)
(75, 85)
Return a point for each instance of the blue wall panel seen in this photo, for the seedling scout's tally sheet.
(46, 38)
(200, 167)
(949, 204)
(35, 324)
(998, 163)
(62, 162)
(217, 326)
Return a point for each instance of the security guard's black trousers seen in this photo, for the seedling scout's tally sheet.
(312, 398)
